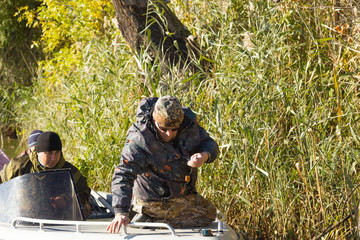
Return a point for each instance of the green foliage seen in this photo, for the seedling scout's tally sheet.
(12, 31)
(7, 100)
(18, 60)
(67, 27)
(91, 109)
(281, 101)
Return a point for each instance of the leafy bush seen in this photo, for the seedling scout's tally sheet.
(18, 60)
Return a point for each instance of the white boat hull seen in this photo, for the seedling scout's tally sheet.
(91, 230)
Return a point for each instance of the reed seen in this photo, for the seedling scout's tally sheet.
(281, 101)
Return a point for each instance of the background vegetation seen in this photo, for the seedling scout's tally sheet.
(282, 101)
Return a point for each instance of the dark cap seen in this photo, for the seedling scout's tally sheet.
(168, 111)
(48, 141)
(32, 140)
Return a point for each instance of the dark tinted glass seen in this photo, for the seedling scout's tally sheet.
(44, 195)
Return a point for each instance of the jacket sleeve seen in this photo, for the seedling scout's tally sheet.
(132, 163)
(208, 144)
(82, 186)
(83, 191)
(14, 168)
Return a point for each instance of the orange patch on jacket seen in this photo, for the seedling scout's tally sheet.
(168, 167)
(147, 174)
(126, 162)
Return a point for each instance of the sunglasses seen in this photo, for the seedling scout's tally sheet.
(167, 129)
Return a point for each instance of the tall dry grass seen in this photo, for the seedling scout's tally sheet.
(282, 101)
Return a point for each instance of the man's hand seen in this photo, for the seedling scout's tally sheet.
(58, 202)
(117, 222)
(198, 159)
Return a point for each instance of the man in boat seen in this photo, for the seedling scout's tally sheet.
(158, 168)
(32, 140)
(48, 155)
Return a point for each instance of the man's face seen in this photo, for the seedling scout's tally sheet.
(166, 133)
(49, 159)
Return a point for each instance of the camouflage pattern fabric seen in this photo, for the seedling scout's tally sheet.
(189, 211)
(168, 112)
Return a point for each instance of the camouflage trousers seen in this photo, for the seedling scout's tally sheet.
(185, 212)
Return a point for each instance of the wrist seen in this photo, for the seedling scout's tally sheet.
(208, 157)
(118, 214)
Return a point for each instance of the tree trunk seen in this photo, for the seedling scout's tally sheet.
(151, 25)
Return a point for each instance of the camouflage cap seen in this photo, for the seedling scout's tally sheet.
(168, 112)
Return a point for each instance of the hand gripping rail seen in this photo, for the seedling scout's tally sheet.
(77, 224)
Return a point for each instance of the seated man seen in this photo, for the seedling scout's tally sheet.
(32, 140)
(48, 155)
(158, 168)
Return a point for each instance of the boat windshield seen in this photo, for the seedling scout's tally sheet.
(43, 195)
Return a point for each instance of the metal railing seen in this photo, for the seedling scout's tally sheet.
(78, 224)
